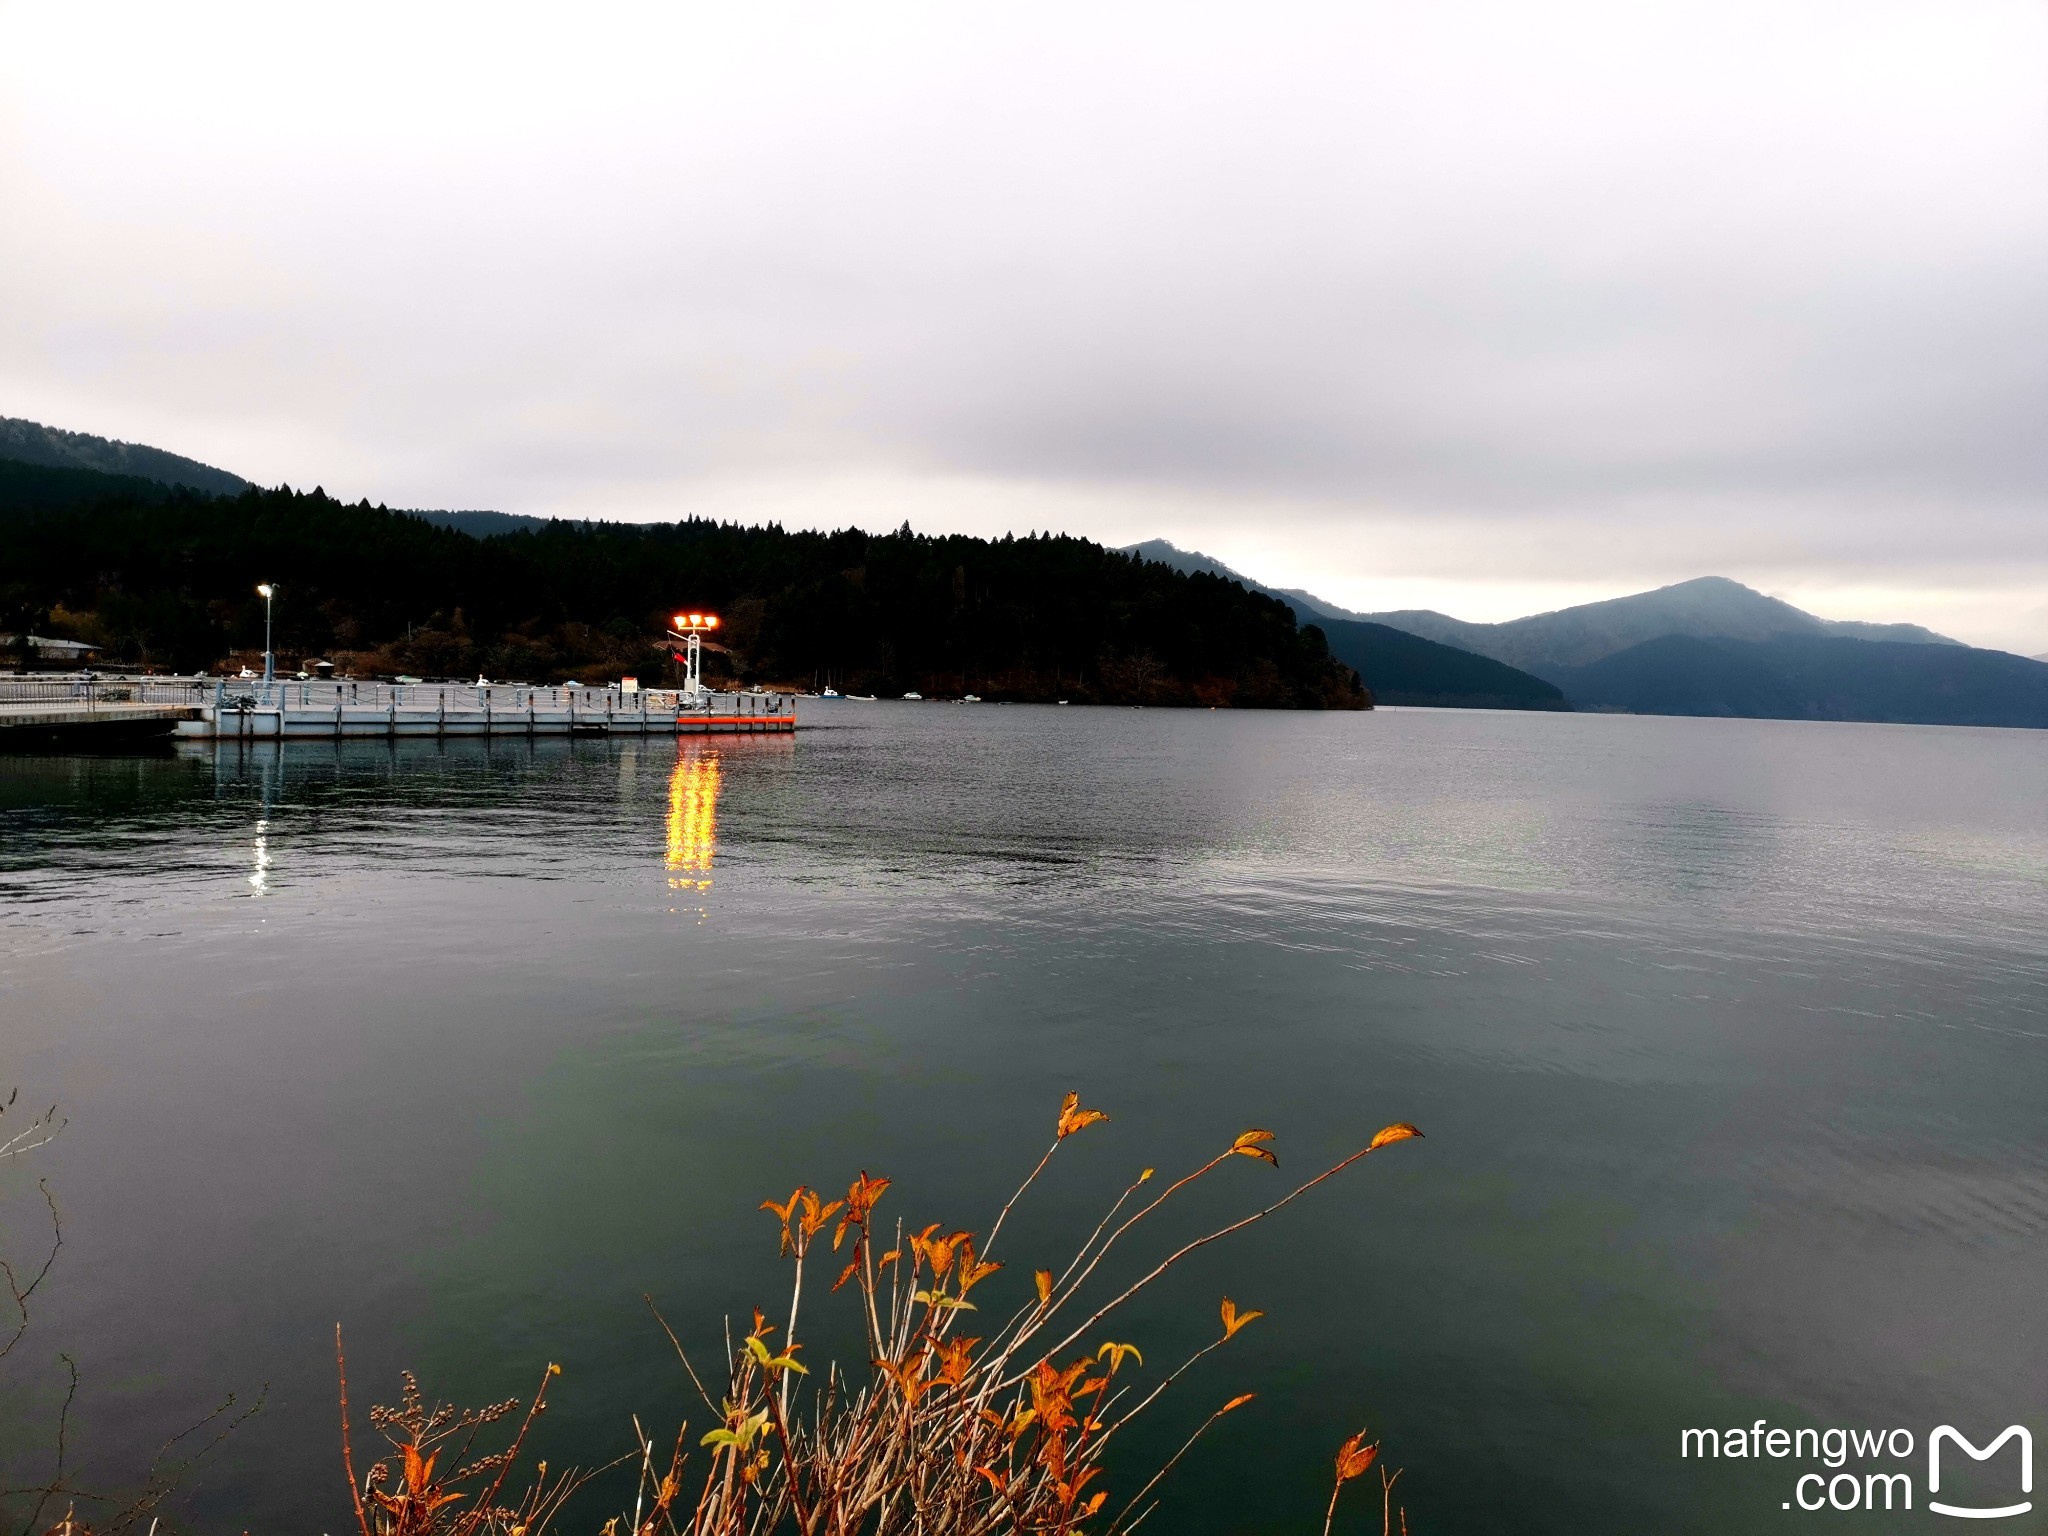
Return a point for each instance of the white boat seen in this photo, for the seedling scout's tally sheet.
(972, 698)
(917, 696)
(829, 693)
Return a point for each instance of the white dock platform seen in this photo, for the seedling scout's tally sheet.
(251, 710)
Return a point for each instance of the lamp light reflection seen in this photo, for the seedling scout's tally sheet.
(259, 865)
(692, 819)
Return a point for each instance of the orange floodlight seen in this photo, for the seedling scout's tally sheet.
(696, 620)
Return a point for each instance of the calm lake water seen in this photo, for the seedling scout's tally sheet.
(1729, 1038)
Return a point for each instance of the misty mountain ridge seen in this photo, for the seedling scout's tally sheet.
(484, 525)
(30, 442)
(1317, 605)
(1189, 560)
(1314, 609)
(1705, 647)
(1399, 667)
(1705, 608)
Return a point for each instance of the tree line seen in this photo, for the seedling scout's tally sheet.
(165, 578)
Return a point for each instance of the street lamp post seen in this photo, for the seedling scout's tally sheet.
(689, 629)
(267, 591)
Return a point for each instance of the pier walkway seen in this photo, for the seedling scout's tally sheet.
(249, 709)
(73, 708)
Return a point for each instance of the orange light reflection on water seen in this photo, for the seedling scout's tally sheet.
(692, 819)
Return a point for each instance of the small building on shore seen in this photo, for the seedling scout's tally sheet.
(47, 651)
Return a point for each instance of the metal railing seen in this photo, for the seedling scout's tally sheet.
(493, 701)
(481, 698)
(105, 690)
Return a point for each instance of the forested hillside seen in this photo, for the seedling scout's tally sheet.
(167, 578)
(30, 442)
(1401, 668)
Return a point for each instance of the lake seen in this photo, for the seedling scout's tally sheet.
(1729, 1040)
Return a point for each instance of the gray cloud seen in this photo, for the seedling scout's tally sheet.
(1461, 294)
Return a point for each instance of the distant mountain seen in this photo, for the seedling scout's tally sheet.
(1904, 634)
(1711, 607)
(1399, 668)
(1316, 605)
(1188, 560)
(1815, 677)
(27, 483)
(1705, 647)
(484, 525)
(1192, 560)
(30, 442)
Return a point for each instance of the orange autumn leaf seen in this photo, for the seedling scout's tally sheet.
(1234, 1319)
(1355, 1456)
(861, 1196)
(939, 1252)
(955, 1357)
(846, 1274)
(1074, 1118)
(783, 1212)
(909, 1378)
(974, 1272)
(1402, 1131)
(1247, 1145)
(1044, 1279)
(419, 1472)
(816, 1214)
(1236, 1403)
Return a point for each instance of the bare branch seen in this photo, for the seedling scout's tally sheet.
(18, 1293)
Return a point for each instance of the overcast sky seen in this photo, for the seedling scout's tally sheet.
(1483, 307)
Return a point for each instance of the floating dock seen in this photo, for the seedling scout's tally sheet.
(249, 709)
